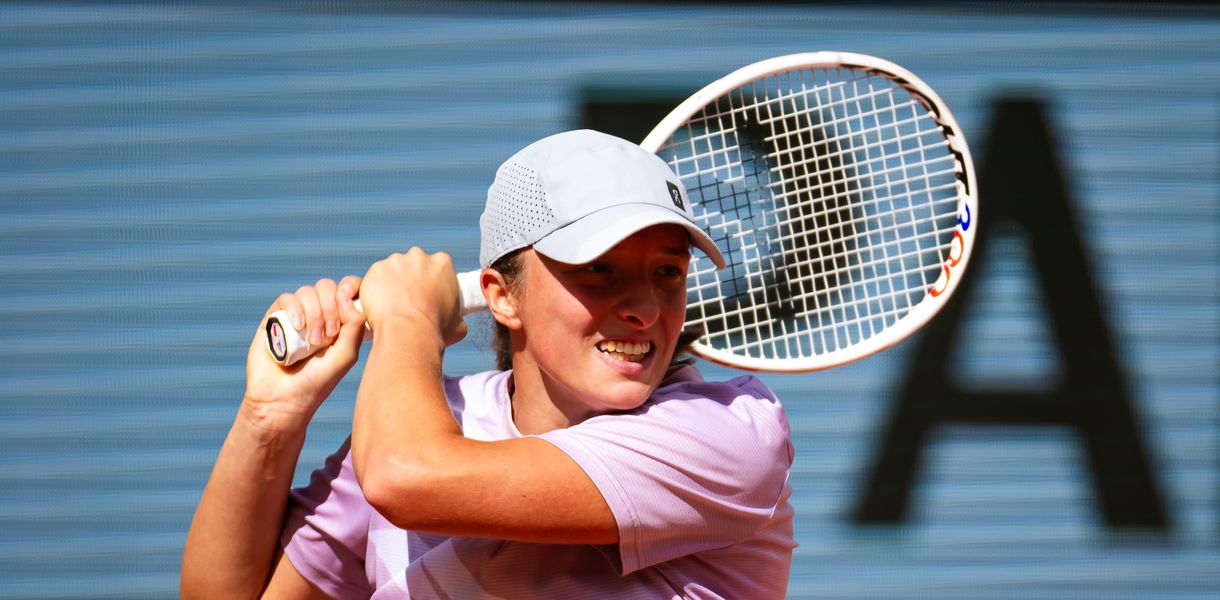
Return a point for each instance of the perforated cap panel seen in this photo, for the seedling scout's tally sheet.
(516, 205)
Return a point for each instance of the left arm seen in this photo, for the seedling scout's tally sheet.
(413, 463)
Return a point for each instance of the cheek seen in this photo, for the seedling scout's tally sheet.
(557, 325)
(675, 308)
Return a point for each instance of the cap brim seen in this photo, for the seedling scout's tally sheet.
(596, 233)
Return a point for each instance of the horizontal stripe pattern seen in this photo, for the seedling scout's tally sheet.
(165, 171)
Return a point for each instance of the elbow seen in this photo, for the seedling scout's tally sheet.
(381, 492)
(399, 492)
(413, 487)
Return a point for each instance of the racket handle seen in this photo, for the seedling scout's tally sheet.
(288, 345)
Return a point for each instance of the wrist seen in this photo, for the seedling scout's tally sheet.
(412, 330)
(270, 422)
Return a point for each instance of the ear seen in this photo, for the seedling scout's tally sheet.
(500, 300)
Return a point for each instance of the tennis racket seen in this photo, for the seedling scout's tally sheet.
(839, 189)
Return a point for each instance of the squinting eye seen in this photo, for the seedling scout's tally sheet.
(597, 268)
(671, 271)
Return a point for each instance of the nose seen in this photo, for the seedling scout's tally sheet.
(639, 303)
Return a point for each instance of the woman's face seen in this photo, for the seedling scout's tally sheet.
(602, 334)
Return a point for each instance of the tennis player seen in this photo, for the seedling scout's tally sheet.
(591, 464)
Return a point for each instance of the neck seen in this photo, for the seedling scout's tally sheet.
(539, 404)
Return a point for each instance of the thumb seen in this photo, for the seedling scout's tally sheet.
(352, 321)
(455, 333)
(351, 332)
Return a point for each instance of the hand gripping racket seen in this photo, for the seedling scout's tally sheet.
(841, 192)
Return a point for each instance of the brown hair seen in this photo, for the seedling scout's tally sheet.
(510, 266)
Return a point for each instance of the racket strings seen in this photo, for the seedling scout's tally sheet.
(881, 280)
(879, 257)
(808, 178)
(826, 275)
(905, 251)
(729, 146)
(890, 309)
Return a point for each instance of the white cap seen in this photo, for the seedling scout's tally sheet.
(575, 195)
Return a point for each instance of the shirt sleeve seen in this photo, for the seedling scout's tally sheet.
(700, 466)
(326, 530)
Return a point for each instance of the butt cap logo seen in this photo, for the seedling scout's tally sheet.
(675, 194)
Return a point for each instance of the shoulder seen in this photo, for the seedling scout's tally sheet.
(697, 425)
(482, 383)
(480, 404)
(701, 465)
(687, 382)
(475, 389)
(741, 407)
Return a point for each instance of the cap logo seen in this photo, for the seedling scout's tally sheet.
(675, 194)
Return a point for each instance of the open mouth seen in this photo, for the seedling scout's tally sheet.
(627, 351)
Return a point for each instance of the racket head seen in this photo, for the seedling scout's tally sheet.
(841, 192)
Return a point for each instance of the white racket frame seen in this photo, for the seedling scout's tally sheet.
(950, 277)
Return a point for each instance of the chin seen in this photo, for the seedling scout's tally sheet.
(627, 396)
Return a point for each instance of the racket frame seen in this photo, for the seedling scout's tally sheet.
(967, 192)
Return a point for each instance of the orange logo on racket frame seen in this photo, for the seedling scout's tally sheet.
(952, 261)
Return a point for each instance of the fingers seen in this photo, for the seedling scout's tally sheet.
(318, 310)
(289, 303)
(414, 281)
(311, 307)
(409, 282)
(328, 307)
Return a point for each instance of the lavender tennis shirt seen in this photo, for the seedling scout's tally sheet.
(697, 479)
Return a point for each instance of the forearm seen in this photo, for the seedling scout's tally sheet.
(234, 536)
(402, 424)
(419, 472)
(401, 413)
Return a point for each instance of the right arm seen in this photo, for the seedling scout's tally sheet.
(232, 549)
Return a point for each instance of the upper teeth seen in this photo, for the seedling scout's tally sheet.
(625, 347)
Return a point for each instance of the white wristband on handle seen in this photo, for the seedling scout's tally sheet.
(287, 345)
